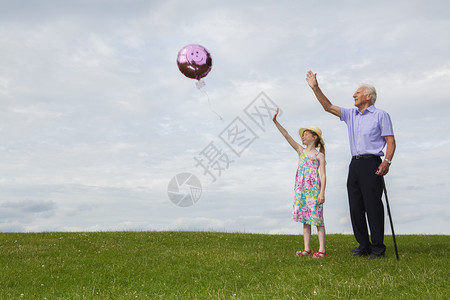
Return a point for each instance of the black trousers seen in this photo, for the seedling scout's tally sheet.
(365, 189)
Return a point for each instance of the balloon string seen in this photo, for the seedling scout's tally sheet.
(209, 102)
(210, 107)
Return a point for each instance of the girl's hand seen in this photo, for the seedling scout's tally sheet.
(275, 115)
(321, 199)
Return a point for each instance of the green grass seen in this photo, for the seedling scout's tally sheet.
(213, 265)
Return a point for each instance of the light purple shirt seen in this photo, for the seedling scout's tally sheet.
(366, 131)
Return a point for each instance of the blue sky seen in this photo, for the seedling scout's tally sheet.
(96, 118)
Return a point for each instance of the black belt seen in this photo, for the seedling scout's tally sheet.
(365, 156)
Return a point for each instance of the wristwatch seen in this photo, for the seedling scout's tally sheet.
(388, 161)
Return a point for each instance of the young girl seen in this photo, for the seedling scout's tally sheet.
(309, 186)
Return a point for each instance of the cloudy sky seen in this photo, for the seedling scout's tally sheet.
(96, 119)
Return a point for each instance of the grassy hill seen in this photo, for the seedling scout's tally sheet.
(213, 265)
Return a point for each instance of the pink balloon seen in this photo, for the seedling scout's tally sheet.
(194, 61)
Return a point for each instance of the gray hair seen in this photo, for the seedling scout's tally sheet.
(370, 90)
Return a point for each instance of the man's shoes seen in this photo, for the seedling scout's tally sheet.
(359, 252)
(375, 256)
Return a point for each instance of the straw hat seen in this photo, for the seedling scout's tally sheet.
(314, 129)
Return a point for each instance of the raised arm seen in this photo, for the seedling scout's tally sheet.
(326, 104)
(297, 147)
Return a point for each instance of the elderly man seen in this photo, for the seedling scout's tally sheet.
(369, 131)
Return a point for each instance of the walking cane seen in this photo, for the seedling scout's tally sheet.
(390, 217)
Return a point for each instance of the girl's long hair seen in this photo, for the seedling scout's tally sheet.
(318, 143)
(321, 146)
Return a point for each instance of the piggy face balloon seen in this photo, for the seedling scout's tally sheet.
(194, 61)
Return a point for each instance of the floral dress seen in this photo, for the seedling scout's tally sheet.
(307, 189)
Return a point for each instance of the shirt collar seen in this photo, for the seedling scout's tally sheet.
(370, 109)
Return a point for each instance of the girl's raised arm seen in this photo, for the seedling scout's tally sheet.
(297, 147)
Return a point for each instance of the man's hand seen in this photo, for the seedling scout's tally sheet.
(383, 168)
(311, 79)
